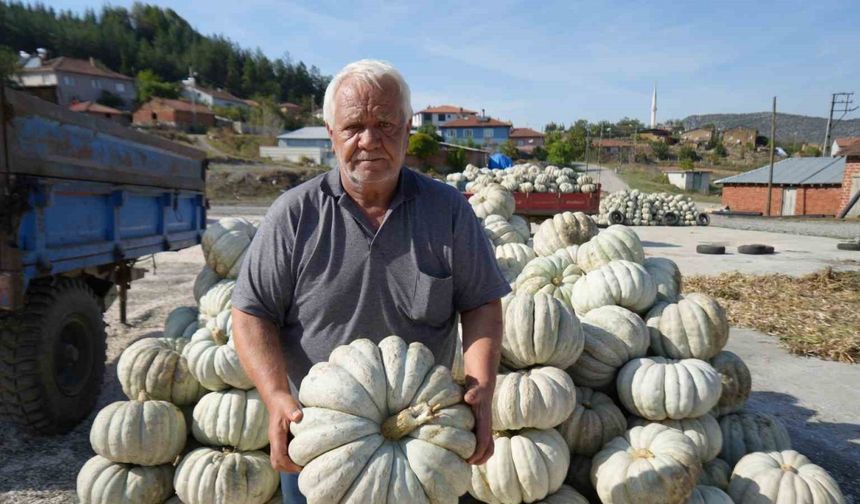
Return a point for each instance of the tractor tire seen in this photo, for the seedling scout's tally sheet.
(853, 246)
(670, 219)
(755, 249)
(52, 356)
(703, 219)
(616, 217)
(711, 249)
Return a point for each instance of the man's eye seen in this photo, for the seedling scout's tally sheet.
(385, 124)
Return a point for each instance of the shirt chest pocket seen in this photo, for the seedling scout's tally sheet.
(432, 300)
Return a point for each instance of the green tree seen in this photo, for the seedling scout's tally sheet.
(560, 152)
(660, 150)
(456, 159)
(687, 152)
(422, 146)
(429, 129)
(510, 149)
(720, 149)
(539, 153)
(8, 63)
(686, 164)
(150, 85)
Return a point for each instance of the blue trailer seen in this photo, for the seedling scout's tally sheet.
(81, 199)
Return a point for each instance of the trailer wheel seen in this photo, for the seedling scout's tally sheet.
(52, 356)
(616, 217)
(670, 219)
(703, 219)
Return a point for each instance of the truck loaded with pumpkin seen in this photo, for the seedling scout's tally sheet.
(614, 387)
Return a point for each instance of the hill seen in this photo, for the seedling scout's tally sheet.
(790, 128)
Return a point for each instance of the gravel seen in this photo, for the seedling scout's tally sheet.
(832, 228)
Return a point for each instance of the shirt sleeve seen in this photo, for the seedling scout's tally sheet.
(477, 278)
(265, 284)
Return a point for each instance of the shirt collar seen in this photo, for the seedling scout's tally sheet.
(407, 185)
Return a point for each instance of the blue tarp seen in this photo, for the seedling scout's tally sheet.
(499, 160)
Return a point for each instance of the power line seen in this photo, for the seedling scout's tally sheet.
(839, 103)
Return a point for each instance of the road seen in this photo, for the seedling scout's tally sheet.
(608, 178)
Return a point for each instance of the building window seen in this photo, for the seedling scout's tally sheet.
(69, 81)
(467, 133)
(120, 87)
(93, 83)
(450, 133)
(440, 117)
(427, 117)
(488, 132)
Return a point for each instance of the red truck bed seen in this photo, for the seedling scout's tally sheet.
(553, 203)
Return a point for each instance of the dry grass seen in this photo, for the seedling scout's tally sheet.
(815, 315)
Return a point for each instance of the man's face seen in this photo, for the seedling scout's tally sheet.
(369, 134)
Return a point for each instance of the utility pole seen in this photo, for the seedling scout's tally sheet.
(772, 149)
(839, 102)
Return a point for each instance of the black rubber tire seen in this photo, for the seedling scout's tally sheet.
(853, 246)
(703, 219)
(52, 356)
(616, 217)
(670, 219)
(755, 249)
(711, 249)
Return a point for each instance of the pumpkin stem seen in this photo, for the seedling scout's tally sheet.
(401, 424)
(219, 336)
(142, 396)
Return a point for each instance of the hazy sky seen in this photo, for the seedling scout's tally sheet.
(534, 62)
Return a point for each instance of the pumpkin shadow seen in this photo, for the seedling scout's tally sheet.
(646, 243)
(831, 445)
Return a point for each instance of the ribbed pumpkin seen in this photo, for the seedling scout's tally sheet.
(613, 336)
(181, 322)
(648, 465)
(621, 283)
(382, 424)
(562, 230)
(540, 397)
(745, 433)
(234, 418)
(224, 245)
(615, 243)
(552, 275)
(101, 481)
(156, 366)
(786, 476)
(656, 388)
(594, 422)
(539, 330)
(208, 476)
(512, 258)
(139, 432)
(493, 200)
(703, 494)
(736, 380)
(716, 473)
(526, 466)
(216, 300)
(206, 279)
(703, 431)
(213, 361)
(564, 495)
(501, 231)
(568, 253)
(666, 276)
(695, 326)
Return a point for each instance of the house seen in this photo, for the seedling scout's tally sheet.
(68, 80)
(211, 97)
(801, 186)
(698, 136)
(439, 115)
(740, 135)
(487, 133)
(177, 114)
(526, 139)
(689, 180)
(842, 144)
(103, 111)
(290, 109)
(851, 180)
(655, 135)
(612, 146)
(310, 142)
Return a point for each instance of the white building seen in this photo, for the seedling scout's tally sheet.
(308, 143)
(438, 116)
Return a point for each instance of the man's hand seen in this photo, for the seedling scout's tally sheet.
(283, 410)
(480, 398)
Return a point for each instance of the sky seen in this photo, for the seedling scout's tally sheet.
(536, 62)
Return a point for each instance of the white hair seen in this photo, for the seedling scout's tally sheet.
(370, 72)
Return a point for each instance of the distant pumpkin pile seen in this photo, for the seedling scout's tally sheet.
(637, 208)
(189, 381)
(526, 178)
(616, 383)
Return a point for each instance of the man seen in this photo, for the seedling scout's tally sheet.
(365, 251)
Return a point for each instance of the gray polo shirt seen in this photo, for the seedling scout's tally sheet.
(318, 270)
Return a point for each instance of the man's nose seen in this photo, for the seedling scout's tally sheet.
(369, 138)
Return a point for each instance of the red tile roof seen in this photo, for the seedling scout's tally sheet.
(446, 109)
(847, 141)
(525, 133)
(179, 105)
(94, 107)
(612, 142)
(474, 122)
(79, 66)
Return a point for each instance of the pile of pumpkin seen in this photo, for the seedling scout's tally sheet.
(637, 208)
(193, 425)
(525, 178)
(615, 382)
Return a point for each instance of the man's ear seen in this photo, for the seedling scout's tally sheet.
(327, 129)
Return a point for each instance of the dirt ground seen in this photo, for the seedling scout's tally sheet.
(818, 400)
